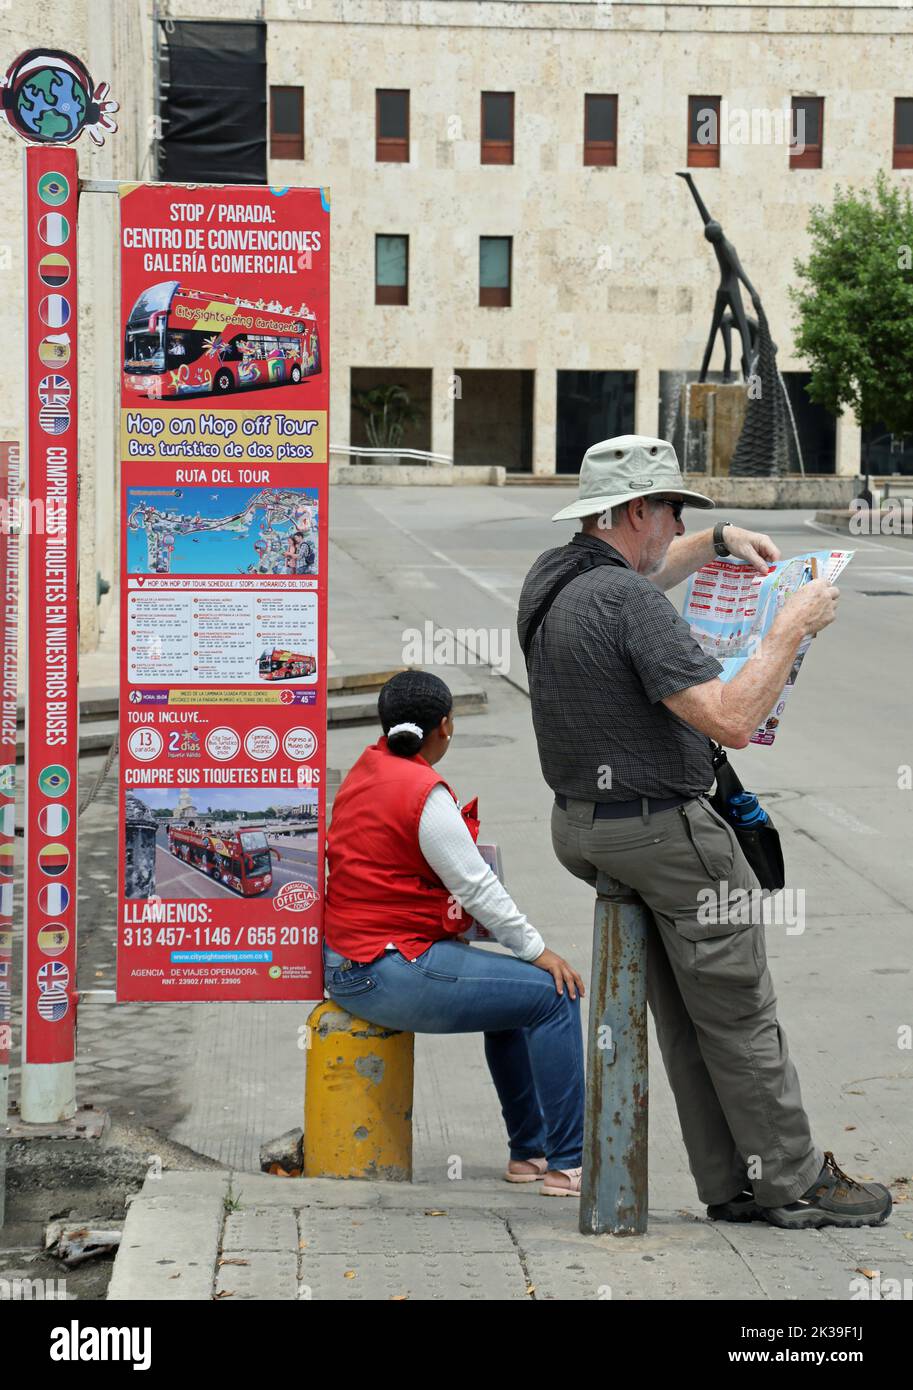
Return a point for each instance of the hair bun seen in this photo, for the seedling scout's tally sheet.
(403, 741)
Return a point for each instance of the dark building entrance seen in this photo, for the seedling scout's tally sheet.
(591, 406)
(493, 418)
(816, 427)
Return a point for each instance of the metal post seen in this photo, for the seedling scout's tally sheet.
(614, 1187)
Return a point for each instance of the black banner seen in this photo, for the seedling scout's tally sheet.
(213, 101)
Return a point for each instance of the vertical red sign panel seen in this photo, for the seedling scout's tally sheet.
(52, 748)
(9, 635)
(224, 430)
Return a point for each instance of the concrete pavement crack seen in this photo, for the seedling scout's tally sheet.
(735, 1250)
(520, 1255)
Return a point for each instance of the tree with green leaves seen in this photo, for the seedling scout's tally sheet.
(855, 305)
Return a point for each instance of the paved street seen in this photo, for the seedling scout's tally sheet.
(220, 1080)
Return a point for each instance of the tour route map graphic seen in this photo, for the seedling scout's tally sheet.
(233, 531)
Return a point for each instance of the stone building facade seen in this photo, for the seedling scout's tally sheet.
(611, 282)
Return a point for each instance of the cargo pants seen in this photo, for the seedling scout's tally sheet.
(710, 993)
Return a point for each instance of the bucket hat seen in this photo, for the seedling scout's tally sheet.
(631, 465)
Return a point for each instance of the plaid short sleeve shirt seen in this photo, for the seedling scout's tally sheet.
(610, 649)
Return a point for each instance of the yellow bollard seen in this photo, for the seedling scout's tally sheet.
(357, 1098)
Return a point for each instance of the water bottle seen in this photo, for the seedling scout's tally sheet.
(746, 811)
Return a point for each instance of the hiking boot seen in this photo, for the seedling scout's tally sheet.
(834, 1200)
(742, 1207)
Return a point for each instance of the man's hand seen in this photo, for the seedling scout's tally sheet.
(562, 973)
(687, 554)
(814, 606)
(751, 546)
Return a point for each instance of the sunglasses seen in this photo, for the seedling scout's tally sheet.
(677, 507)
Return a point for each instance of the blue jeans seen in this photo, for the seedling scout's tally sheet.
(533, 1043)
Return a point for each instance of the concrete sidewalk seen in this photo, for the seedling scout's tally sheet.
(248, 1236)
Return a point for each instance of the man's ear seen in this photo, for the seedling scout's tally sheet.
(639, 512)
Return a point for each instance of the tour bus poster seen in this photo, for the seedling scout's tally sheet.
(224, 405)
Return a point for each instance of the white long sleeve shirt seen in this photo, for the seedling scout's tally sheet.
(447, 845)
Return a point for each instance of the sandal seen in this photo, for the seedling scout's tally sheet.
(552, 1189)
(540, 1165)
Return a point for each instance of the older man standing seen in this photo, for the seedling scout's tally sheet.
(625, 705)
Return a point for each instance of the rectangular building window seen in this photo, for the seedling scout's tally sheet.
(286, 122)
(494, 271)
(391, 270)
(704, 132)
(392, 126)
(497, 128)
(903, 133)
(600, 129)
(806, 131)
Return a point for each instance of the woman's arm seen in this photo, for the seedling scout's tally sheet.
(449, 849)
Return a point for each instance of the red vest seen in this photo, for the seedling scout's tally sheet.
(381, 888)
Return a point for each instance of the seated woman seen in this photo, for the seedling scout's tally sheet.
(404, 878)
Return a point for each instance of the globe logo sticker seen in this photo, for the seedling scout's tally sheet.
(275, 972)
(53, 189)
(54, 780)
(49, 97)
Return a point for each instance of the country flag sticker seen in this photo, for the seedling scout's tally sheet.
(7, 856)
(8, 818)
(54, 899)
(53, 189)
(53, 1005)
(6, 900)
(54, 229)
(54, 390)
(53, 780)
(54, 270)
(53, 939)
(53, 820)
(53, 860)
(53, 975)
(54, 419)
(54, 350)
(54, 310)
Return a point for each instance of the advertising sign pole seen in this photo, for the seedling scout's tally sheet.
(48, 98)
(52, 738)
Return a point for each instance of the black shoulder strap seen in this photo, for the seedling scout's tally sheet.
(586, 560)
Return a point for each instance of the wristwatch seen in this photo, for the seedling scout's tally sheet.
(719, 544)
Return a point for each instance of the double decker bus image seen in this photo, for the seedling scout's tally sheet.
(185, 342)
(239, 859)
(286, 666)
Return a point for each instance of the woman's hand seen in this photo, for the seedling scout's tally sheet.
(562, 973)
